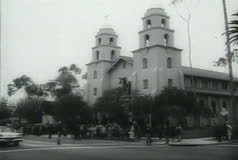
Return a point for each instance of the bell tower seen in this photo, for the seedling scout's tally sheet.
(156, 29)
(157, 62)
(105, 52)
(106, 47)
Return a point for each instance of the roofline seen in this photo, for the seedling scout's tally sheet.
(210, 92)
(109, 34)
(158, 27)
(235, 79)
(106, 45)
(99, 61)
(121, 57)
(157, 45)
(155, 14)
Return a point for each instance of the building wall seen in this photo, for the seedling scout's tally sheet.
(101, 82)
(120, 72)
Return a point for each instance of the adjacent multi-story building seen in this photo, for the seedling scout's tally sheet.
(154, 65)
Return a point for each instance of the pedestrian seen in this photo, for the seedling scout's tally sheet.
(64, 132)
(148, 135)
(229, 131)
(179, 132)
(132, 133)
(59, 133)
(167, 131)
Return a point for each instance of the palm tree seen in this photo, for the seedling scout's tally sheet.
(233, 30)
(229, 58)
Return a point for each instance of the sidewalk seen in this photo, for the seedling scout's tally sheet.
(197, 142)
(68, 140)
(156, 141)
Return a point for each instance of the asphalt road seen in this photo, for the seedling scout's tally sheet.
(30, 150)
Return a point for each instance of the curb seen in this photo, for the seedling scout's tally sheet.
(190, 145)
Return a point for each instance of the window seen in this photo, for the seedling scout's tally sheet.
(170, 83)
(124, 65)
(111, 41)
(147, 40)
(187, 82)
(97, 55)
(214, 109)
(169, 62)
(224, 85)
(145, 63)
(95, 75)
(148, 23)
(145, 84)
(99, 41)
(214, 84)
(95, 91)
(166, 39)
(113, 55)
(163, 21)
(204, 84)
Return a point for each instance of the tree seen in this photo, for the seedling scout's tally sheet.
(65, 82)
(30, 109)
(233, 30)
(18, 83)
(142, 106)
(5, 111)
(112, 107)
(229, 57)
(30, 87)
(177, 103)
(71, 109)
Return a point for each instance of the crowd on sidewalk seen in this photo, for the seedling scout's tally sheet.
(110, 130)
(113, 131)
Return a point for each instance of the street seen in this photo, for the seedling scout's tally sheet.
(38, 150)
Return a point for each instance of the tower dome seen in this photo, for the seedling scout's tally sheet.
(106, 30)
(152, 11)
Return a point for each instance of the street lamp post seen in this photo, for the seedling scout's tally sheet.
(127, 85)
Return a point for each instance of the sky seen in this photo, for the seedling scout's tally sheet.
(40, 36)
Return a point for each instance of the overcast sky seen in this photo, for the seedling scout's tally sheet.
(39, 36)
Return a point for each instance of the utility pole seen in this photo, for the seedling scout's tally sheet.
(229, 55)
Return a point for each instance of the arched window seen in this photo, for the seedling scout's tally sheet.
(99, 41)
(111, 41)
(147, 40)
(214, 108)
(166, 39)
(163, 21)
(145, 63)
(97, 55)
(148, 23)
(95, 75)
(113, 55)
(169, 62)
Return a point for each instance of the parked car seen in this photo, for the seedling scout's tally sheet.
(9, 135)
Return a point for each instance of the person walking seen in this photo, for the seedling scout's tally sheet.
(179, 132)
(167, 131)
(148, 135)
(59, 133)
(229, 131)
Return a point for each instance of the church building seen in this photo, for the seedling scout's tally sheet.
(155, 64)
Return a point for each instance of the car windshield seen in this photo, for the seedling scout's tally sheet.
(6, 129)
